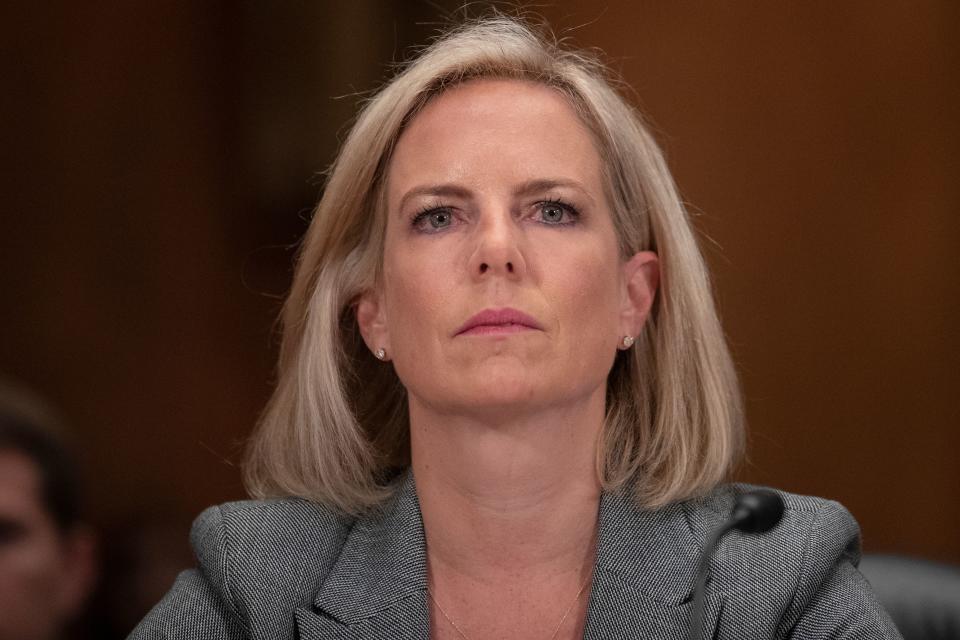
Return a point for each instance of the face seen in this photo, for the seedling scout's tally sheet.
(503, 287)
(43, 572)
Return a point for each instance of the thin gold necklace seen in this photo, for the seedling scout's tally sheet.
(555, 631)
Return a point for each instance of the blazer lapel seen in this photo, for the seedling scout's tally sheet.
(644, 575)
(377, 588)
(618, 611)
(404, 620)
(642, 581)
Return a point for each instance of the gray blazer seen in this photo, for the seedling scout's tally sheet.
(285, 569)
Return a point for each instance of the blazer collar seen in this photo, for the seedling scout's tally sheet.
(380, 578)
(642, 581)
(645, 569)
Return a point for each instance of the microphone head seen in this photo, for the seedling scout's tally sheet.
(757, 511)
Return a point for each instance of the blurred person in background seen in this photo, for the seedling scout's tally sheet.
(47, 566)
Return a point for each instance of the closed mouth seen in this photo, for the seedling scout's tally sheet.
(504, 320)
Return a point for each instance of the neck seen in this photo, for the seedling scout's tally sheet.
(509, 500)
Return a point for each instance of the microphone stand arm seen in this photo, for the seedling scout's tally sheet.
(703, 570)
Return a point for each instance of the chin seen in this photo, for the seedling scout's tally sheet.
(500, 390)
(496, 395)
(506, 398)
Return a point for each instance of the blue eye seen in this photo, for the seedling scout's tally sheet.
(552, 212)
(432, 220)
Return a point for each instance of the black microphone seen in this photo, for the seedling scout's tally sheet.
(756, 511)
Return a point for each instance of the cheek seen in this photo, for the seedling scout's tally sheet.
(587, 291)
(29, 571)
(417, 294)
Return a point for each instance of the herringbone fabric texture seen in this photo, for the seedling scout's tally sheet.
(285, 569)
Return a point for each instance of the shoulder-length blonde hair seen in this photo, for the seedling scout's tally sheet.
(336, 429)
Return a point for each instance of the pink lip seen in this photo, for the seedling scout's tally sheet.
(506, 320)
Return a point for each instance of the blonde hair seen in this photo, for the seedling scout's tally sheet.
(336, 429)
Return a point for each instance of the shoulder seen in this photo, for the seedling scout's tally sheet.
(806, 519)
(268, 532)
(813, 535)
(803, 571)
(813, 532)
(257, 561)
(267, 555)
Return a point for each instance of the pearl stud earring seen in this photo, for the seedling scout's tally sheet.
(627, 341)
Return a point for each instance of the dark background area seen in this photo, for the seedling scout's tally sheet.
(161, 160)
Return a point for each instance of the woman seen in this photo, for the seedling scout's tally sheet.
(505, 404)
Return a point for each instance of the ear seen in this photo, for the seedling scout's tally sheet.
(372, 320)
(641, 277)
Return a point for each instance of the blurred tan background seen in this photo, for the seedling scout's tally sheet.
(161, 160)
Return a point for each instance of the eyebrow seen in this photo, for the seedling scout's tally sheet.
(527, 188)
(435, 191)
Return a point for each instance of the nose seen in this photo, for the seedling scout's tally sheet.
(498, 250)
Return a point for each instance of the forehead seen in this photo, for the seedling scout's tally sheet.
(511, 130)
